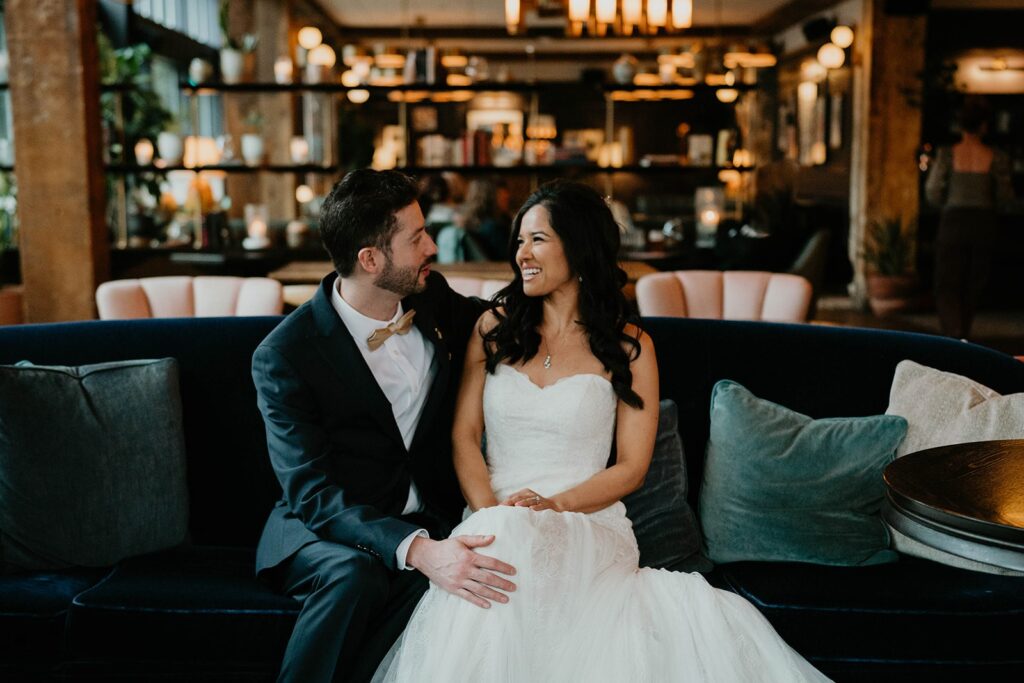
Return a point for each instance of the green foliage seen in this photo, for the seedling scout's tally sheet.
(143, 115)
(247, 43)
(888, 247)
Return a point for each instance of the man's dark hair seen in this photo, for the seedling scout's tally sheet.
(360, 212)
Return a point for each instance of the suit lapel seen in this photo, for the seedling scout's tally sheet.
(426, 323)
(341, 353)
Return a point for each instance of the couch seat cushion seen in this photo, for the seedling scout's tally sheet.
(196, 605)
(911, 610)
(33, 609)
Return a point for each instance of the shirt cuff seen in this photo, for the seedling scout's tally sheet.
(403, 547)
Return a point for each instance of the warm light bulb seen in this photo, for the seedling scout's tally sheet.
(682, 13)
(812, 70)
(304, 194)
(512, 10)
(632, 11)
(350, 79)
(657, 12)
(831, 56)
(358, 96)
(579, 10)
(322, 55)
(842, 36)
(310, 37)
(727, 95)
(604, 11)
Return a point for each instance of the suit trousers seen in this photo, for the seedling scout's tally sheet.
(353, 610)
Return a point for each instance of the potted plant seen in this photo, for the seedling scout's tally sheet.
(142, 114)
(891, 286)
(233, 54)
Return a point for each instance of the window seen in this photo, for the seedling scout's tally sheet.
(198, 19)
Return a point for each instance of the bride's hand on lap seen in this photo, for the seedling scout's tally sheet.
(528, 498)
(453, 565)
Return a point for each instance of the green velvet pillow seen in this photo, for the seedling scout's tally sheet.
(92, 463)
(779, 486)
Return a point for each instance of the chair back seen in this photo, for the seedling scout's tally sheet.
(728, 295)
(479, 287)
(189, 297)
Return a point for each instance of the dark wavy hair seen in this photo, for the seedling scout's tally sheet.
(590, 238)
(360, 212)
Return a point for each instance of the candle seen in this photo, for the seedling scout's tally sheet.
(283, 70)
(299, 148)
(143, 152)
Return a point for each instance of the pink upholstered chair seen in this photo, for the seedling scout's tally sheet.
(475, 286)
(730, 294)
(188, 297)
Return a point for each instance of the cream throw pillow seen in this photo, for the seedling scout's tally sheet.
(943, 408)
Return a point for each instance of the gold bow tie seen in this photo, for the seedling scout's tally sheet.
(400, 326)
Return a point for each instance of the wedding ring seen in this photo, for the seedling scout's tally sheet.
(536, 499)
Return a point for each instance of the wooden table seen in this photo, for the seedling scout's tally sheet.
(965, 499)
(300, 277)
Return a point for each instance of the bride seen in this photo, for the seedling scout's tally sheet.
(556, 374)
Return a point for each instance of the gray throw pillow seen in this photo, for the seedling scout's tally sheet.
(92, 463)
(664, 524)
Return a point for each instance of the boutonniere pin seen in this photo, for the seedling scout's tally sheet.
(437, 331)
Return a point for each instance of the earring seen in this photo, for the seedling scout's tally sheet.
(580, 278)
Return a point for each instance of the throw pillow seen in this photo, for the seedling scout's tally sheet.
(663, 522)
(943, 408)
(780, 486)
(92, 461)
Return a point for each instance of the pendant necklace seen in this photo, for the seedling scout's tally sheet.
(547, 355)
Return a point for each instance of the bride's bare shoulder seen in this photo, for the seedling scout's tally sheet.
(636, 332)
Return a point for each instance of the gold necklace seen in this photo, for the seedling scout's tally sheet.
(547, 348)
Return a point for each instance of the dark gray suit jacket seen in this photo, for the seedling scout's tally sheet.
(333, 440)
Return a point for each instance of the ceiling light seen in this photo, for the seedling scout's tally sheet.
(310, 37)
(358, 96)
(727, 95)
(513, 16)
(842, 36)
(657, 13)
(831, 56)
(322, 55)
(682, 13)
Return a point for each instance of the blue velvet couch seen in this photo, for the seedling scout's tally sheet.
(198, 613)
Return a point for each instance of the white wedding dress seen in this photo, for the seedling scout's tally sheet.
(583, 609)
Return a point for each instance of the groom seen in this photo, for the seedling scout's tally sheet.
(357, 389)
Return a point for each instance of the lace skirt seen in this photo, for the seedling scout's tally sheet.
(584, 611)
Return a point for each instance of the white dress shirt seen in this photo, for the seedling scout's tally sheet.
(404, 369)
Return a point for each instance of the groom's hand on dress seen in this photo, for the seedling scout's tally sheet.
(454, 566)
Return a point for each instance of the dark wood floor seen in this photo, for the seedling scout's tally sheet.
(1002, 330)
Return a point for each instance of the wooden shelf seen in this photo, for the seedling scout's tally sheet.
(129, 169)
(512, 86)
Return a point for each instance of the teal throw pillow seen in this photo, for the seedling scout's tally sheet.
(92, 463)
(780, 486)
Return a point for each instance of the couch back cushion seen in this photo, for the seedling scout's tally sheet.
(92, 462)
(819, 371)
(231, 485)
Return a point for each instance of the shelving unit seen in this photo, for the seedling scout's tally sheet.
(576, 105)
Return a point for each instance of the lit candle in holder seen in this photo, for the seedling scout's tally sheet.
(143, 152)
(299, 148)
(256, 227)
(283, 70)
